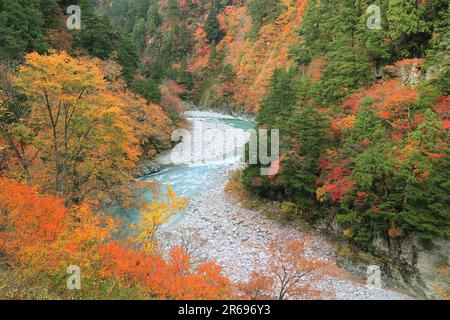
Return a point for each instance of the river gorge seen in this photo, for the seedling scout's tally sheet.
(216, 227)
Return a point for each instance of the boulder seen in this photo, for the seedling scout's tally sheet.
(148, 169)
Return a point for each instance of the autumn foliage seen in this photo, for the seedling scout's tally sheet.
(82, 123)
(364, 116)
(39, 234)
(253, 62)
(32, 221)
(292, 273)
(154, 215)
(165, 279)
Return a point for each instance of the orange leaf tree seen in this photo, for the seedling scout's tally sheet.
(291, 273)
(40, 238)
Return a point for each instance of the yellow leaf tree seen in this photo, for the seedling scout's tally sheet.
(154, 215)
(81, 130)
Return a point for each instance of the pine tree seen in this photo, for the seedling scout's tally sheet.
(21, 28)
(149, 89)
(172, 10)
(138, 34)
(212, 27)
(302, 152)
(153, 19)
(280, 99)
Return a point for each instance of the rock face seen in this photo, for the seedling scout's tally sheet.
(414, 267)
(405, 263)
(148, 169)
(410, 71)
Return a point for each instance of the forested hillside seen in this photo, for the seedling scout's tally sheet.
(72, 133)
(222, 53)
(364, 120)
(363, 114)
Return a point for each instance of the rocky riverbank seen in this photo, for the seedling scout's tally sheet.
(148, 169)
(215, 228)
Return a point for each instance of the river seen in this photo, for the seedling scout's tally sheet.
(192, 176)
(214, 227)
